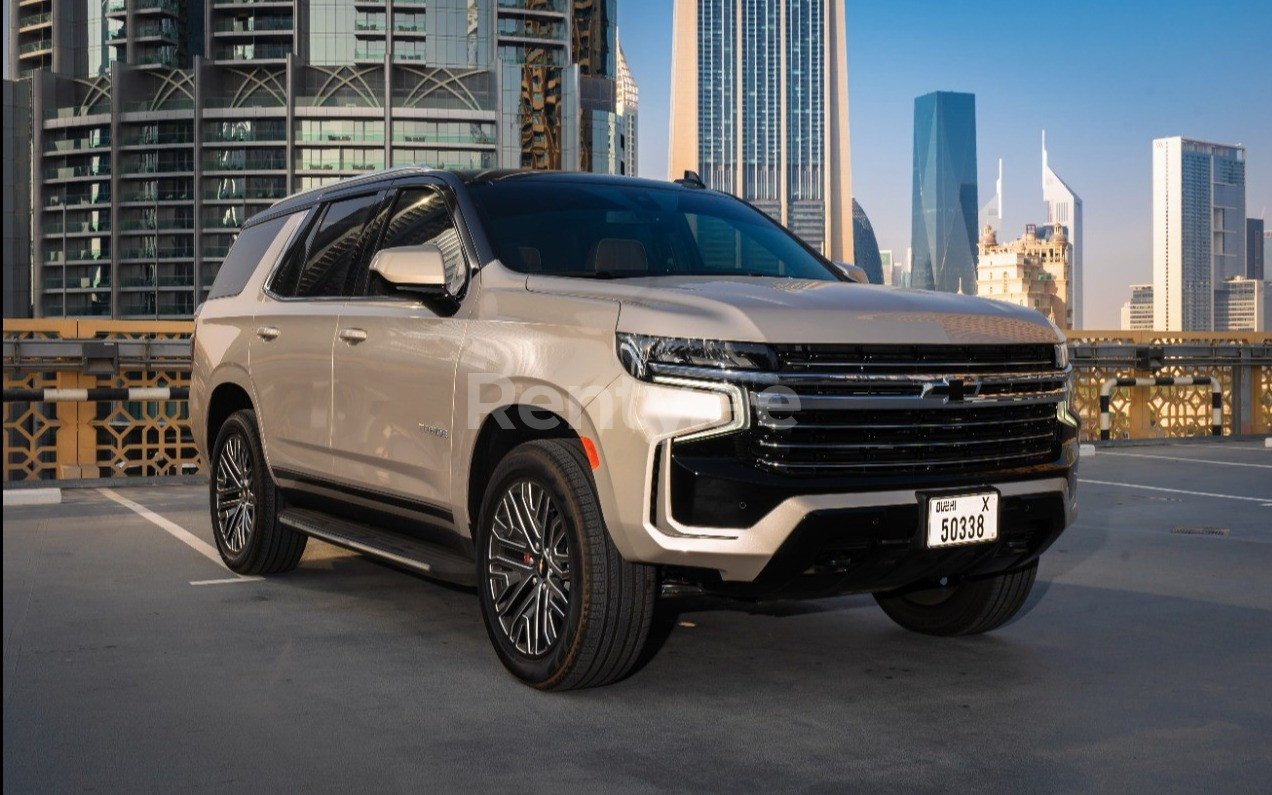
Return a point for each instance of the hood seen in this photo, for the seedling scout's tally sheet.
(748, 309)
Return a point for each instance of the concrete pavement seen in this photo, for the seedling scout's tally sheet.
(1142, 664)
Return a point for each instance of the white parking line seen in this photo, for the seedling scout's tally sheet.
(225, 581)
(1174, 491)
(175, 530)
(1192, 460)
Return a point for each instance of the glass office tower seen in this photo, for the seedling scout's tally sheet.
(1199, 229)
(943, 226)
(760, 110)
(161, 125)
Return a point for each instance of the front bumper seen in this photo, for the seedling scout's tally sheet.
(634, 484)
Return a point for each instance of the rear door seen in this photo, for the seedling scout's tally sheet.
(295, 329)
(394, 364)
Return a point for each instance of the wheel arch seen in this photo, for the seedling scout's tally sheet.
(225, 399)
(501, 431)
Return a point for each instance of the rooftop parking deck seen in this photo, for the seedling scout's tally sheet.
(134, 661)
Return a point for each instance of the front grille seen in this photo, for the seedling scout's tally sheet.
(892, 410)
(915, 359)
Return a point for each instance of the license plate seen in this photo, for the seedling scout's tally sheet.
(961, 519)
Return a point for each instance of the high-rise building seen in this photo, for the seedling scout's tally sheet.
(1242, 304)
(1137, 313)
(886, 265)
(992, 212)
(168, 122)
(943, 226)
(1199, 235)
(865, 246)
(17, 199)
(1065, 208)
(1256, 253)
(629, 110)
(760, 110)
(1032, 272)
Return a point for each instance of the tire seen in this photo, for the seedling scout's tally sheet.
(968, 608)
(245, 503)
(562, 607)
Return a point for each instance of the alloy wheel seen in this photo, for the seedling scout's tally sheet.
(235, 496)
(528, 568)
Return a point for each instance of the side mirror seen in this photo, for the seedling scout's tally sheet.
(414, 269)
(853, 272)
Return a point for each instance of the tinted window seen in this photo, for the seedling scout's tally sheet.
(322, 267)
(420, 216)
(245, 256)
(615, 231)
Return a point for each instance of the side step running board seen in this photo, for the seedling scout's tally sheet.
(419, 556)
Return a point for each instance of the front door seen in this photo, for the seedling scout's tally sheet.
(394, 369)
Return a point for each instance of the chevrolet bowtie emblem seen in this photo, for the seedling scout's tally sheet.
(953, 390)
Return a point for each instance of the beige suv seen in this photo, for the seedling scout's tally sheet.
(584, 394)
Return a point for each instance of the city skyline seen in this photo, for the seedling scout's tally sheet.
(1101, 119)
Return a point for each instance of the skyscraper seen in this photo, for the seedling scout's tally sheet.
(865, 247)
(629, 110)
(161, 125)
(1255, 252)
(943, 225)
(760, 110)
(1137, 313)
(16, 261)
(1065, 208)
(1199, 234)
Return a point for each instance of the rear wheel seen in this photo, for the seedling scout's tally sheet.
(562, 607)
(245, 503)
(967, 608)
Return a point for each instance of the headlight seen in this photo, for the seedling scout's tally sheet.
(1062, 355)
(643, 356)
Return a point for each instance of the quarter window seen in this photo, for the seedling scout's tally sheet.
(247, 254)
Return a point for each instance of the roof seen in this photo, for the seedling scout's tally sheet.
(466, 177)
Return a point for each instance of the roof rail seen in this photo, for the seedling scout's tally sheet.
(368, 177)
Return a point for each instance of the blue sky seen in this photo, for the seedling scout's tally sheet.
(1103, 79)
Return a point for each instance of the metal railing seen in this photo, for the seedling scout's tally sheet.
(111, 437)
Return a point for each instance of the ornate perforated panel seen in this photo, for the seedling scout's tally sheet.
(44, 441)
(1173, 412)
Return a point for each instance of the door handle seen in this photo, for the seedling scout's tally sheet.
(353, 335)
(267, 333)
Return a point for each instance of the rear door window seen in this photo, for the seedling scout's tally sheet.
(323, 267)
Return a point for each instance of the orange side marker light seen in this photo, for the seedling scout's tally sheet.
(593, 458)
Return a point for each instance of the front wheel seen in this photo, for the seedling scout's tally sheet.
(967, 608)
(562, 607)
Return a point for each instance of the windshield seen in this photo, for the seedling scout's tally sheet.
(614, 231)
